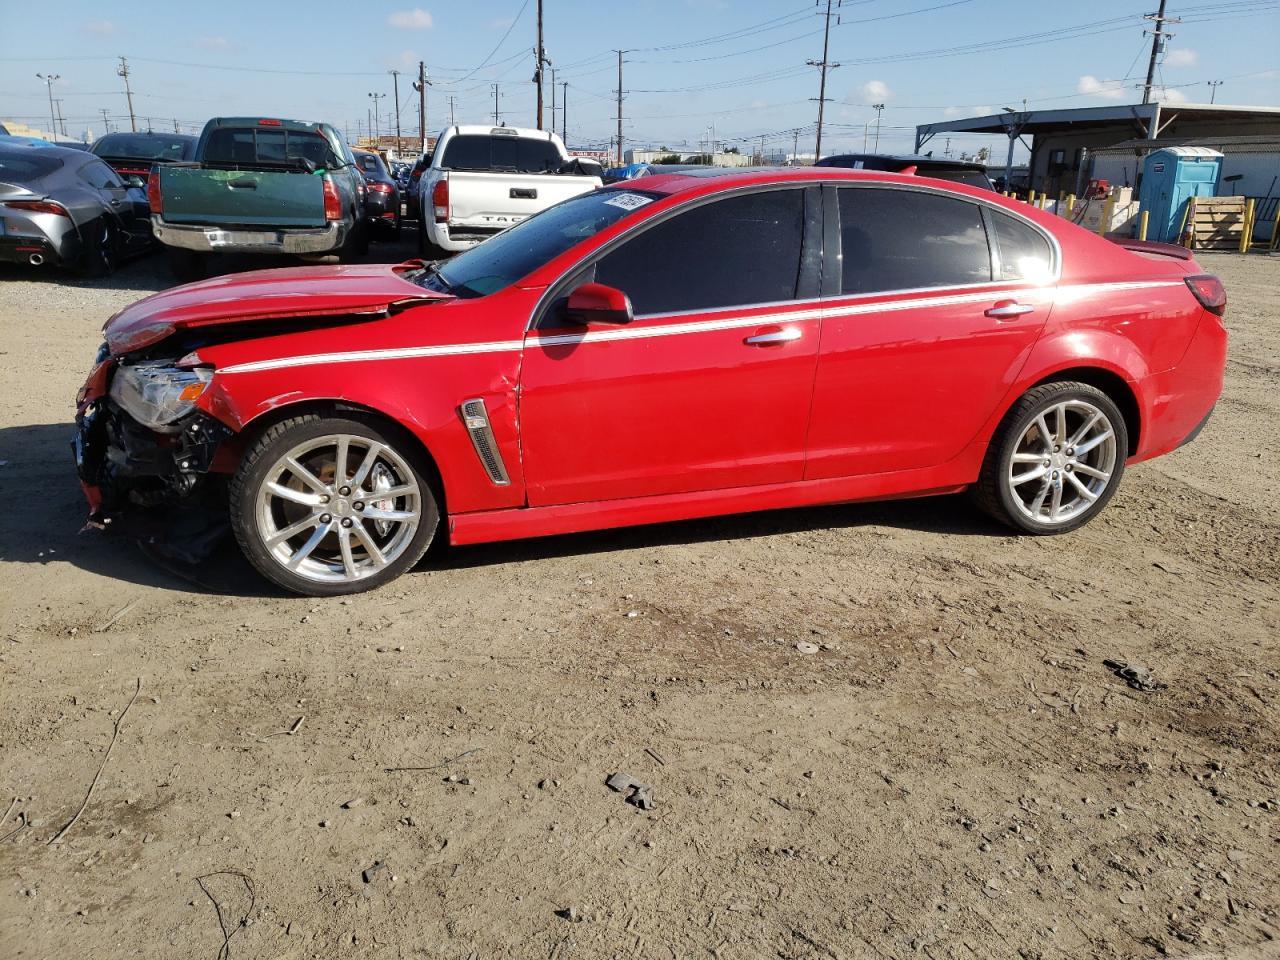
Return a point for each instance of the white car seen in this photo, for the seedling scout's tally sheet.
(482, 180)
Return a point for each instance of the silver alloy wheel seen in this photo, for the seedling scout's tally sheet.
(338, 508)
(1063, 462)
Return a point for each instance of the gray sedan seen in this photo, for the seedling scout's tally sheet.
(67, 207)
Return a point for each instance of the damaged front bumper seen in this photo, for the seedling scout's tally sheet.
(158, 487)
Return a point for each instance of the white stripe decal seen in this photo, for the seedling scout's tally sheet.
(1041, 294)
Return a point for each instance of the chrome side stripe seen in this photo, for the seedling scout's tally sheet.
(1045, 294)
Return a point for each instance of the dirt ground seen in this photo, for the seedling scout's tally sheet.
(953, 773)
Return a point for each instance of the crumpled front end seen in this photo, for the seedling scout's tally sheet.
(152, 465)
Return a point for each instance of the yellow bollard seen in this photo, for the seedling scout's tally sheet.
(1188, 224)
(1275, 231)
(1246, 236)
(1044, 198)
(1105, 222)
(1142, 224)
(1071, 203)
(1031, 197)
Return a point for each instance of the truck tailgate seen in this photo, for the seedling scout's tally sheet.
(501, 199)
(242, 197)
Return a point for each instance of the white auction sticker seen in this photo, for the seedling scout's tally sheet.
(629, 201)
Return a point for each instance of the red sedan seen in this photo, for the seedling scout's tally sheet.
(709, 343)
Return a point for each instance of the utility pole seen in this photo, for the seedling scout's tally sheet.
(1158, 38)
(106, 127)
(421, 87)
(123, 71)
(795, 148)
(176, 128)
(62, 121)
(879, 109)
(620, 52)
(495, 104)
(824, 64)
(395, 81)
(553, 99)
(564, 111)
(376, 97)
(48, 79)
(1213, 89)
(453, 120)
(541, 55)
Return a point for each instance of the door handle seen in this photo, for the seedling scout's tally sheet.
(1010, 310)
(771, 336)
(115, 202)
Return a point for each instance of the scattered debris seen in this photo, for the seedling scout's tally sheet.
(805, 647)
(657, 759)
(1134, 674)
(105, 757)
(353, 803)
(436, 766)
(569, 913)
(115, 617)
(372, 871)
(297, 725)
(641, 793)
(228, 932)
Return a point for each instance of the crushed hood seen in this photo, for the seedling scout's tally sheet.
(264, 295)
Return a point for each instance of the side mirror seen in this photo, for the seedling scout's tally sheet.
(597, 303)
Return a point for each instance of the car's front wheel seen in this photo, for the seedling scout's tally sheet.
(1056, 459)
(325, 506)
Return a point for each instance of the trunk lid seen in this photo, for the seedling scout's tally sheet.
(265, 198)
(300, 292)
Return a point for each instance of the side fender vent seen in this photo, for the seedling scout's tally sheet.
(476, 419)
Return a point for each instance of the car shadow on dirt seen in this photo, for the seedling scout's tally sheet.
(50, 528)
(146, 273)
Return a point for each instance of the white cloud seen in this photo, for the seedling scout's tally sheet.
(1182, 57)
(214, 43)
(1167, 95)
(876, 91)
(415, 19)
(1106, 89)
(100, 28)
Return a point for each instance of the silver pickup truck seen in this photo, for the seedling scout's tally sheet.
(482, 180)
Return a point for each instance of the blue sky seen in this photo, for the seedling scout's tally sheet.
(735, 65)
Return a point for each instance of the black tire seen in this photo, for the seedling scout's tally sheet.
(187, 265)
(264, 453)
(428, 250)
(356, 245)
(101, 253)
(994, 491)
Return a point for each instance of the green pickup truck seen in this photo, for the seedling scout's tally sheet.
(259, 185)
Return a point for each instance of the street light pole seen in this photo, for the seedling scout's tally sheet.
(376, 97)
(879, 108)
(48, 79)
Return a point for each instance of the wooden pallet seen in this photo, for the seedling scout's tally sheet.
(1215, 223)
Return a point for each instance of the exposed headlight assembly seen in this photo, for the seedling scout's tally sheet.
(157, 393)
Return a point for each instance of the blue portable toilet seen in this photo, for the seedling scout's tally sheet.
(1170, 178)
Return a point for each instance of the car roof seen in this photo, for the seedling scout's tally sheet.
(714, 179)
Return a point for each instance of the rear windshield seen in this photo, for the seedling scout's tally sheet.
(369, 163)
(269, 146)
(505, 154)
(145, 147)
(26, 166)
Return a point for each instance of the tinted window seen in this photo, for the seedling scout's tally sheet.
(98, 174)
(905, 239)
(1024, 252)
(143, 146)
(503, 259)
(727, 253)
(515, 154)
(27, 165)
(268, 145)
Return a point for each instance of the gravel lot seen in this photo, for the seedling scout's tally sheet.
(953, 773)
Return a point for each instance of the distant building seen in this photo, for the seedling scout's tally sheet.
(22, 130)
(1063, 142)
(717, 159)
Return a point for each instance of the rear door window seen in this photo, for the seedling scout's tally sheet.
(733, 252)
(486, 152)
(909, 240)
(269, 146)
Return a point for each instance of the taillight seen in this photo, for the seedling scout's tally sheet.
(269, 123)
(154, 198)
(332, 202)
(440, 200)
(1209, 291)
(376, 187)
(39, 206)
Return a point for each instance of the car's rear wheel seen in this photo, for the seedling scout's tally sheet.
(325, 506)
(1056, 459)
(101, 249)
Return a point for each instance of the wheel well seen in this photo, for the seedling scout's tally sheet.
(255, 428)
(1114, 386)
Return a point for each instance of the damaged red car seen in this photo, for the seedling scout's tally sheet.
(708, 344)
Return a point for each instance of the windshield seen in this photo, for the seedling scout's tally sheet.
(480, 152)
(503, 259)
(145, 146)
